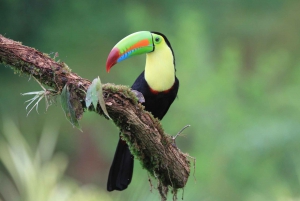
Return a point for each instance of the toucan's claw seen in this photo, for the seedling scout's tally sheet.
(139, 95)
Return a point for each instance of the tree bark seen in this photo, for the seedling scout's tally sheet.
(144, 134)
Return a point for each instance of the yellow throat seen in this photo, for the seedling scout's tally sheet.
(159, 70)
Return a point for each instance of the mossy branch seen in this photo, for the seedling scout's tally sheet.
(144, 134)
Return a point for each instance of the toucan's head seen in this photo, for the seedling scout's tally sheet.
(135, 44)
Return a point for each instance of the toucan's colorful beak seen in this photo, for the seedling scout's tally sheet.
(134, 44)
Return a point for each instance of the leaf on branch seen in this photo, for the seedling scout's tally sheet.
(94, 95)
(67, 107)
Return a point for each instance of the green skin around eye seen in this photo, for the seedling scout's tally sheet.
(157, 40)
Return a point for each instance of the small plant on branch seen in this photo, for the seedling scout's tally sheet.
(48, 94)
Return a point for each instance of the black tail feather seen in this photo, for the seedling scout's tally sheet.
(121, 170)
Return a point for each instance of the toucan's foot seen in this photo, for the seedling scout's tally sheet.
(139, 95)
(174, 137)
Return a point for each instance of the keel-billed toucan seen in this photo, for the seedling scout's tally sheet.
(158, 84)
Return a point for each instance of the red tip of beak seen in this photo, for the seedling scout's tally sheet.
(112, 58)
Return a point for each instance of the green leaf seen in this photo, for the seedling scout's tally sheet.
(67, 107)
(100, 97)
(91, 94)
(94, 95)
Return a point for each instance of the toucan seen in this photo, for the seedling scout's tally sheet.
(157, 83)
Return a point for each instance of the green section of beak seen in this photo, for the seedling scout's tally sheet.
(134, 44)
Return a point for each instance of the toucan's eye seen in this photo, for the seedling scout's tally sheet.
(157, 39)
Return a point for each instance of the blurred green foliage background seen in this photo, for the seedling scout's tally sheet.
(239, 69)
